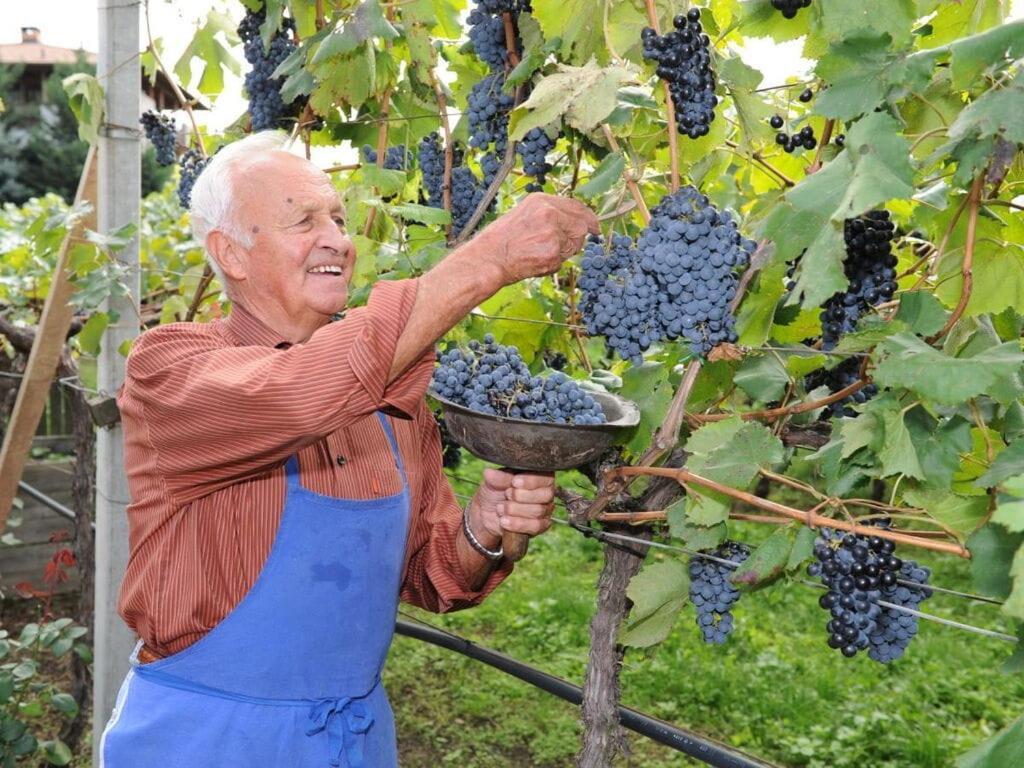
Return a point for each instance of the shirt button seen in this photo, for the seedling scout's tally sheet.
(340, 460)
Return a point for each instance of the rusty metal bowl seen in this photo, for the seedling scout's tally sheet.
(538, 446)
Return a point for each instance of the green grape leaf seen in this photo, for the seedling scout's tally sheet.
(215, 55)
(585, 96)
(768, 561)
(1004, 749)
(648, 386)
(578, 23)
(1007, 464)
(962, 514)
(992, 548)
(658, 593)
(607, 173)
(841, 19)
(729, 452)
(921, 312)
(911, 363)
(762, 377)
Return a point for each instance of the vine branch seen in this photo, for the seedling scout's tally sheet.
(670, 108)
(812, 519)
(967, 267)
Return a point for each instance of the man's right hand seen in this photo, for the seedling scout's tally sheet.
(536, 236)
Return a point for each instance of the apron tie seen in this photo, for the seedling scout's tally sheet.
(346, 721)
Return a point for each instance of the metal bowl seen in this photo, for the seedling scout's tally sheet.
(538, 446)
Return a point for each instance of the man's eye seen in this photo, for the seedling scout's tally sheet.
(340, 222)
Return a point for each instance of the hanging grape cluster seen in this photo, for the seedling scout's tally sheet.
(675, 281)
(870, 267)
(860, 572)
(395, 158)
(467, 191)
(492, 378)
(790, 7)
(712, 593)
(266, 107)
(161, 132)
(803, 139)
(190, 165)
(684, 62)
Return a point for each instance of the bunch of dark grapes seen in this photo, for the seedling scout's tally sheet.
(488, 113)
(675, 282)
(160, 130)
(790, 7)
(860, 572)
(805, 139)
(556, 361)
(487, 36)
(493, 379)
(534, 150)
(504, 6)
(684, 61)
(266, 107)
(451, 453)
(895, 628)
(712, 593)
(839, 378)
(190, 165)
(870, 266)
(395, 158)
(467, 191)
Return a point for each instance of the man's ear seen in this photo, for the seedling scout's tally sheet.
(232, 258)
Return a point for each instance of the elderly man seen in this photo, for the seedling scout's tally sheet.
(286, 478)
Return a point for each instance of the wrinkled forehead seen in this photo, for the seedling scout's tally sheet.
(278, 182)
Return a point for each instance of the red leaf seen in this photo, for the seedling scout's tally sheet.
(65, 557)
(25, 589)
(58, 536)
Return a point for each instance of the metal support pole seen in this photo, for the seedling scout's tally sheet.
(120, 191)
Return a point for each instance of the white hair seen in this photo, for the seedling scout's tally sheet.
(213, 196)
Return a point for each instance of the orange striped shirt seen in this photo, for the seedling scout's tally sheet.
(211, 411)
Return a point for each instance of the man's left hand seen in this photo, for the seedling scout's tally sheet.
(518, 502)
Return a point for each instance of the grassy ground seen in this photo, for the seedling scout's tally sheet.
(775, 689)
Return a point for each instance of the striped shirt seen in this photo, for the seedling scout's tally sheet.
(211, 412)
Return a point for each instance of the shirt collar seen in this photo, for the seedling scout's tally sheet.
(249, 331)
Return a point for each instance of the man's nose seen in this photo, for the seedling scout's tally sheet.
(334, 238)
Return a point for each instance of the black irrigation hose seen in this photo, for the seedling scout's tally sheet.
(699, 747)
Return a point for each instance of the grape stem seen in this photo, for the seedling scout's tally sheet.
(670, 108)
(449, 148)
(174, 86)
(757, 158)
(382, 129)
(630, 181)
(967, 266)
(826, 137)
(683, 476)
(509, 161)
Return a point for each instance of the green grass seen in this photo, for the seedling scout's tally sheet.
(775, 689)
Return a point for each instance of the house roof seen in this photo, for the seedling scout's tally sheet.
(40, 53)
(31, 51)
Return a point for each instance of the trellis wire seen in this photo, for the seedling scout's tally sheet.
(927, 616)
(64, 382)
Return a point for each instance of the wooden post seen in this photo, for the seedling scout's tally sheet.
(46, 350)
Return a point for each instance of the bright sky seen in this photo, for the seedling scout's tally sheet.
(73, 24)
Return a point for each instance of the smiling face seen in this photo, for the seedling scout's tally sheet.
(295, 274)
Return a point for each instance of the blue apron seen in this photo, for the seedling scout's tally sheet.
(291, 676)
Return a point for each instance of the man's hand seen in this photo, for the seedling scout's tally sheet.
(536, 236)
(516, 502)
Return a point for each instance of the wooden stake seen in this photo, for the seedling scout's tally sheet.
(46, 348)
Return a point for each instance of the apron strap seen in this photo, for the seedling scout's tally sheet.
(394, 445)
(291, 470)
